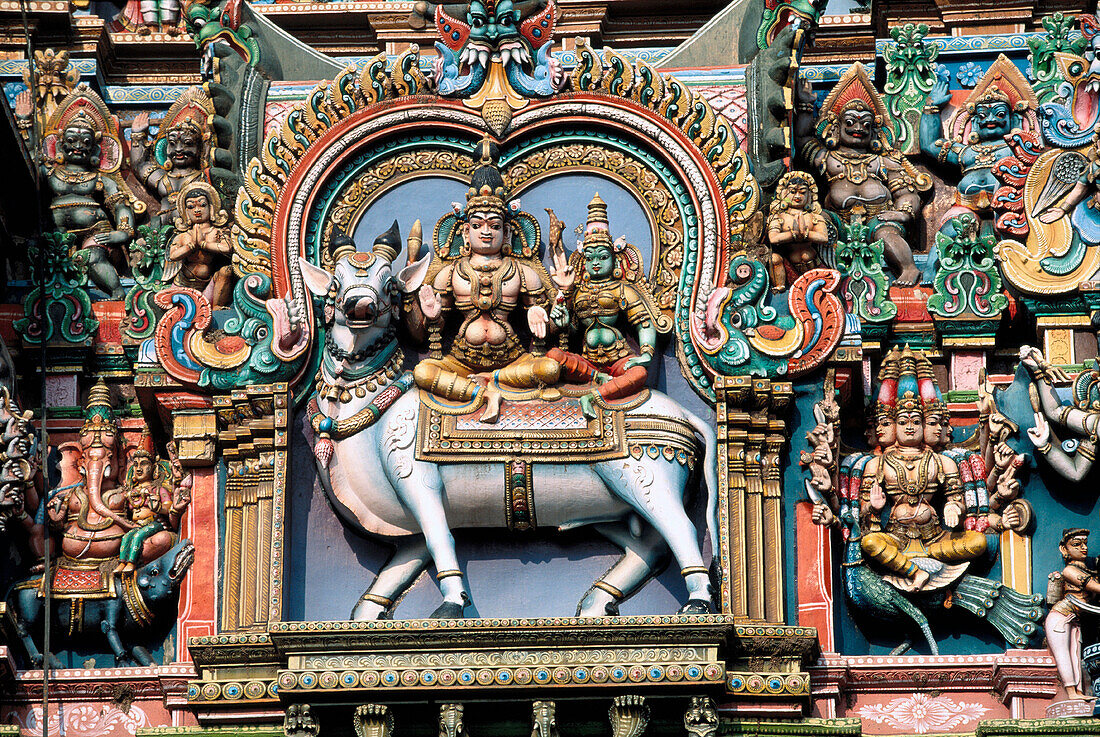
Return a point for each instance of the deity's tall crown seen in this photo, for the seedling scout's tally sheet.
(487, 192)
(99, 413)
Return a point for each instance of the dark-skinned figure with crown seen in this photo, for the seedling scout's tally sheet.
(485, 282)
(976, 136)
(177, 155)
(866, 178)
(82, 155)
(609, 293)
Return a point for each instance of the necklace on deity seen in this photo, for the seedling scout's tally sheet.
(77, 177)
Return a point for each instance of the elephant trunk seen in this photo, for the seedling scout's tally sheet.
(98, 466)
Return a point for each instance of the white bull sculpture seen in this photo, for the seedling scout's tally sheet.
(367, 463)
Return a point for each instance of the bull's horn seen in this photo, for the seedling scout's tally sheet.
(387, 244)
(416, 241)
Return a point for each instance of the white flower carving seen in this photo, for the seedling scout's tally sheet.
(88, 720)
(922, 713)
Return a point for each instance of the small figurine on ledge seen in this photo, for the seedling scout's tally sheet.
(796, 228)
(1072, 590)
(199, 253)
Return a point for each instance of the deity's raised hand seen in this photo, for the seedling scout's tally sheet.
(1040, 434)
(878, 497)
(430, 303)
(941, 92)
(24, 104)
(140, 124)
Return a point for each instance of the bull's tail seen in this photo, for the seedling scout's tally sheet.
(710, 474)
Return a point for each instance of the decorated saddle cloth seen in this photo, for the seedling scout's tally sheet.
(543, 425)
(82, 579)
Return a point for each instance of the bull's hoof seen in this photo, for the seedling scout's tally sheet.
(450, 610)
(697, 606)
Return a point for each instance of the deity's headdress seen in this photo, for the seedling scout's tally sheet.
(145, 446)
(1072, 532)
(99, 413)
(888, 385)
(1086, 388)
(85, 110)
(192, 110)
(487, 192)
(908, 397)
(930, 397)
(1002, 82)
(597, 229)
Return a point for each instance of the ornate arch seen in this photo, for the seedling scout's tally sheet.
(293, 192)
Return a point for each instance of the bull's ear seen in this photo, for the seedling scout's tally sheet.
(412, 276)
(317, 279)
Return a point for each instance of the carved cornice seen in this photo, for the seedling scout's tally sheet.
(167, 682)
(1016, 673)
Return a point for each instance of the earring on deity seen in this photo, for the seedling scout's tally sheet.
(972, 137)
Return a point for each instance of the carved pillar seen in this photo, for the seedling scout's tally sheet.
(252, 432)
(751, 433)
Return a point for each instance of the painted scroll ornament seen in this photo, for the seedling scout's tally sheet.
(745, 336)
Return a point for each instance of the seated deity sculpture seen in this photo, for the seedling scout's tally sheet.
(610, 292)
(199, 254)
(977, 136)
(911, 495)
(81, 155)
(865, 176)
(485, 284)
(795, 228)
(153, 504)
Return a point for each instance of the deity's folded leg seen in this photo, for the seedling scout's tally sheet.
(530, 372)
(446, 378)
(958, 546)
(886, 552)
(573, 367)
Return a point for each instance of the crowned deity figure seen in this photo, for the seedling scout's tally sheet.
(154, 505)
(865, 176)
(911, 496)
(1070, 592)
(82, 154)
(177, 156)
(976, 135)
(493, 271)
(610, 293)
(199, 253)
(795, 227)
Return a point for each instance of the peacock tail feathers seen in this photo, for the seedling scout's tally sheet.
(1013, 614)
